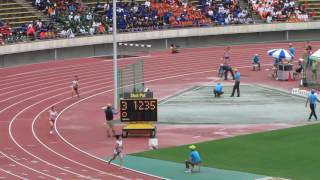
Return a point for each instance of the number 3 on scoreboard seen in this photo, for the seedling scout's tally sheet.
(124, 105)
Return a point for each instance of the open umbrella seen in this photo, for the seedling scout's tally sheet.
(280, 54)
(315, 56)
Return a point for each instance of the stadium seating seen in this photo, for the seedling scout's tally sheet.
(18, 13)
(278, 11)
(312, 7)
(43, 19)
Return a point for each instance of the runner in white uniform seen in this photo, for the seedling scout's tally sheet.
(118, 151)
(75, 86)
(53, 114)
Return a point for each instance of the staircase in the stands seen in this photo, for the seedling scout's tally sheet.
(18, 12)
(312, 7)
(93, 3)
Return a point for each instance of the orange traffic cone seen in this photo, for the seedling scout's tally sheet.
(289, 76)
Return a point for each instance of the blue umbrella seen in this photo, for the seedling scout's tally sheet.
(280, 54)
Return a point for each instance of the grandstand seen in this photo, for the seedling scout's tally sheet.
(19, 12)
(45, 43)
(312, 7)
(90, 17)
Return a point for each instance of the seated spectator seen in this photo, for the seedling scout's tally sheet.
(194, 159)
(298, 69)
(31, 32)
(101, 29)
(174, 49)
(218, 90)
(256, 62)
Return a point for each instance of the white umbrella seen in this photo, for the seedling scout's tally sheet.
(280, 54)
(315, 56)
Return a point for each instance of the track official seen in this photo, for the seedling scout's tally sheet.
(236, 85)
(312, 99)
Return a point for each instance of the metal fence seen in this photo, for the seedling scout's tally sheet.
(130, 78)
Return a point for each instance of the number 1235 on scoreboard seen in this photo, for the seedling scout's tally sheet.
(138, 110)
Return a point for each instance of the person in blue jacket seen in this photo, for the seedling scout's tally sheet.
(312, 99)
(218, 90)
(194, 159)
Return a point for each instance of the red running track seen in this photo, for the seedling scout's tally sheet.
(28, 151)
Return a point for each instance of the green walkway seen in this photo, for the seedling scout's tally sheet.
(172, 170)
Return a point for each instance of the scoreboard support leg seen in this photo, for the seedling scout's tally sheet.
(139, 128)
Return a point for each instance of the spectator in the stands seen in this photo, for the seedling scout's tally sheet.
(31, 32)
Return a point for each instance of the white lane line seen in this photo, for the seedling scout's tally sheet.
(24, 85)
(45, 86)
(26, 151)
(163, 78)
(46, 74)
(36, 72)
(194, 65)
(44, 145)
(44, 93)
(12, 121)
(39, 79)
(180, 75)
(8, 172)
(196, 137)
(67, 67)
(15, 175)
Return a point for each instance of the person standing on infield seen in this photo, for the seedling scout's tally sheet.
(109, 112)
(53, 114)
(236, 85)
(118, 151)
(75, 86)
(312, 99)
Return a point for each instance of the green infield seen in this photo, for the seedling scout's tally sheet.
(290, 153)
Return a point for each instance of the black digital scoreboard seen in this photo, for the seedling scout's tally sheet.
(140, 109)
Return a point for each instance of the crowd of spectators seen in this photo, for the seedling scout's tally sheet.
(278, 10)
(226, 12)
(69, 18)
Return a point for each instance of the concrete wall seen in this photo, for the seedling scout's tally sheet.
(40, 51)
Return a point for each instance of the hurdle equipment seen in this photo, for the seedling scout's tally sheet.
(135, 45)
(134, 49)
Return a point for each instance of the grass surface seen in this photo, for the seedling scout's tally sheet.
(291, 153)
